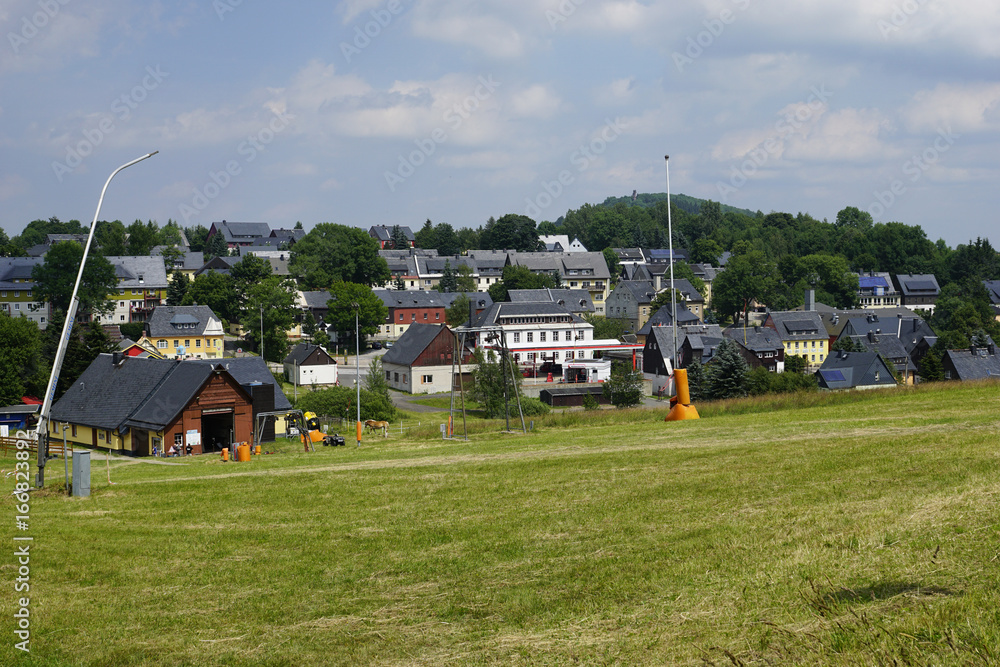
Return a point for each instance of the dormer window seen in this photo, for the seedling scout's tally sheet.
(141, 278)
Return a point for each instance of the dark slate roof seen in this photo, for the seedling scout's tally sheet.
(492, 315)
(17, 268)
(575, 300)
(248, 370)
(755, 339)
(219, 264)
(970, 365)
(180, 320)
(481, 299)
(918, 285)
(384, 232)
(316, 299)
(662, 317)
(798, 325)
(411, 298)
(642, 290)
(993, 289)
(846, 370)
(414, 340)
(301, 352)
(142, 392)
(869, 282)
(629, 254)
(235, 232)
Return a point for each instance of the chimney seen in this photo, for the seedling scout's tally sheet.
(810, 300)
(116, 359)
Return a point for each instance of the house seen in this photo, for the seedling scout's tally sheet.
(285, 238)
(802, 333)
(975, 363)
(761, 347)
(383, 234)
(891, 349)
(133, 405)
(309, 364)
(18, 418)
(421, 360)
(221, 265)
(131, 348)
(406, 308)
(993, 290)
(875, 290)
(561, 243)
(542, 332)
(185, 332)
(188, 262)
(142, 286)
(430, 269)
(239, 234)
(253, 374)
(664, 318)
(854, 370)
(657, 359)
(490, 265)
(584, 270)
(17, 287)
(919, 291)
(568, 397)
(631, 301)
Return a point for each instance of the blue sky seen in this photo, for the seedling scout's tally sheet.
(395, 111)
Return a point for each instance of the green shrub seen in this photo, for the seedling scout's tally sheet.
(533, 407)
(590, 403)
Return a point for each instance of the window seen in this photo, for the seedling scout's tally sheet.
(178, 440)
(100, 436)
(3, 293)
(28, 293)
(517, 357)
(74, 430)
(530, 336)
(814, 357)
(404, 377)
(177, 343)
(395, 377)
(425, 316)
(541, 337)
(401, 317)
(555, 336)
(427, 379)
(197, 343)
(17, 306)
(531, 356)
(517, 336)
(413, 317)
(388, 376)
(555, 356)
(17, 293)
(569, 355)
(122, 317)
(121, 304)
(569, 335)
(107, 436)
(187, 343)
(437, 316)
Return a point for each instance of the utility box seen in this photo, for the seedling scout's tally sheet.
(81, 474)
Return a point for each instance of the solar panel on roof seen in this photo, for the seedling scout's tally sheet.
(921, 285)
(872, 281)
(833, 376)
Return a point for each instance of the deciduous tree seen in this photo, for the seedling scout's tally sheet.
(331, 253)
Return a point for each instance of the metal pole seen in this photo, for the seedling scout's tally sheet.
(357, 367)
(74, 302)
(673, 294)
(262, 333)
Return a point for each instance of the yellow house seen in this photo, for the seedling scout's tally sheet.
(802, 333)
(185, 332)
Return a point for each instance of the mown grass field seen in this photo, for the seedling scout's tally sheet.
(857, 529)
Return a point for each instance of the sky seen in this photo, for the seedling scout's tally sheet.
(397, 111)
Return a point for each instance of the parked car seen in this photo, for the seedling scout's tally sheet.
(376, 345)
(388, 344)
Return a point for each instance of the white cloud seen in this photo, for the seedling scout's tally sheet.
(536, 101)
(492, 35)
(969, 107)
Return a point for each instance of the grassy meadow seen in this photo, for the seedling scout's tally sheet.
(830, 529)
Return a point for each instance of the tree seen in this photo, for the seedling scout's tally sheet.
(21, 370)
(425, 236)
(447, 282)
(269, 307)
(36, 231)
(446, 239)
(378, 387)
(706, 251)
(624, 387)
(398, 283)
(214, 290)
(510, 232)
(249, 271)
(796, 363)
(607, 328)
(847, 344)
(697, 388)
(330, 253)
(493, 388)
(196, 237)
(142, 237)
(463, 279)
(519, 277)
(398, 238)
(748, 277)
(370, 309)
(171, 234)
(111, 238)
(54, 279)
(614, 267)
(854, 217)
(173, 256)
(216, 246)
(930, 367)
(340, 403)
(177, 289)
(727, 374)
(458, 312)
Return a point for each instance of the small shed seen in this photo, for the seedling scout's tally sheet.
(569, 397)
(309, 364)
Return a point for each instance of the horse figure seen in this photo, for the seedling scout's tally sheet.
(373, 426)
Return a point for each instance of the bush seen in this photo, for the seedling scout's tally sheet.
(590, 403)
(533, 407)
(340, 403)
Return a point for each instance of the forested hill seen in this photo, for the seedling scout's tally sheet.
(684, 202)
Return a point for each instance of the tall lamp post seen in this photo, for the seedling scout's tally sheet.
(673, 294)
(357, 364)
(74, 303)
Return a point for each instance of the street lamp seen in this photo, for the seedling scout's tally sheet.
(673, 294)
(74, 303)
(357, 364)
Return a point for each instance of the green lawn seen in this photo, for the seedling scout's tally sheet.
(862, 529)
